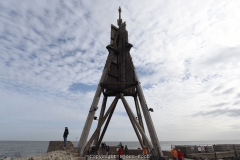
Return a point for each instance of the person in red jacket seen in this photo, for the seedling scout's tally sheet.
(120, 152)
(180, 155)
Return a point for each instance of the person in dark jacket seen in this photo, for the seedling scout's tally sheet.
(102, 144)
(65, 134)
(93, 150)
(107, 150)
(126, 150)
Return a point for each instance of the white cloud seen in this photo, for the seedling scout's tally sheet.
(186, 54)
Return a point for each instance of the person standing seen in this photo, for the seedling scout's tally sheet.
(126, 150)
(180, 155)
(107, 150)
(120, 144)
(65, 134)
(174, 153)
(93, 150)
(120, 152)
(144, 150)
(102, 145)
(89, 151)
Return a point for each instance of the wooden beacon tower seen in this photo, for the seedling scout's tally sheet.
(119, 79)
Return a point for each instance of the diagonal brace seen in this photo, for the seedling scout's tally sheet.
(101, 123)
(131, 115)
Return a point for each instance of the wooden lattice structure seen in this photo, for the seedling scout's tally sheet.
(119, 79)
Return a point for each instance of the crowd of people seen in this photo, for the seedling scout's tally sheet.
(122, 150)
(177, 154)
(105, 147)
(93, 150)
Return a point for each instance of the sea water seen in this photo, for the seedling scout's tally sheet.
(13, 149)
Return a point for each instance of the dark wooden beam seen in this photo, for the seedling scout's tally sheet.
(101, 123)
(139, 115)
(104, 102)
(105, 127)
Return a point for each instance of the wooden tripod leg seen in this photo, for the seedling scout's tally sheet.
(100, 118)
(131, 115)
(101, 123)
(139, 115)
(148, 119)
(105, 128)
(135, 129)
(88, 123)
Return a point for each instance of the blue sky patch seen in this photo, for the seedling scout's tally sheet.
(122, 113)
(80, 87)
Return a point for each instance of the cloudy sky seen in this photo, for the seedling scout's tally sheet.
(186, 53)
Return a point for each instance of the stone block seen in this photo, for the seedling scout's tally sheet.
(113, 150)
(58, 145)
(167, 153)
(238, 153)
(187, 149)
(201, 155)
(209, 149)
(219, 148)
(191, 156)
(158, 158)
(221, 155)
(237, 146)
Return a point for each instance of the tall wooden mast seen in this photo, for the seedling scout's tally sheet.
(119, 79)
